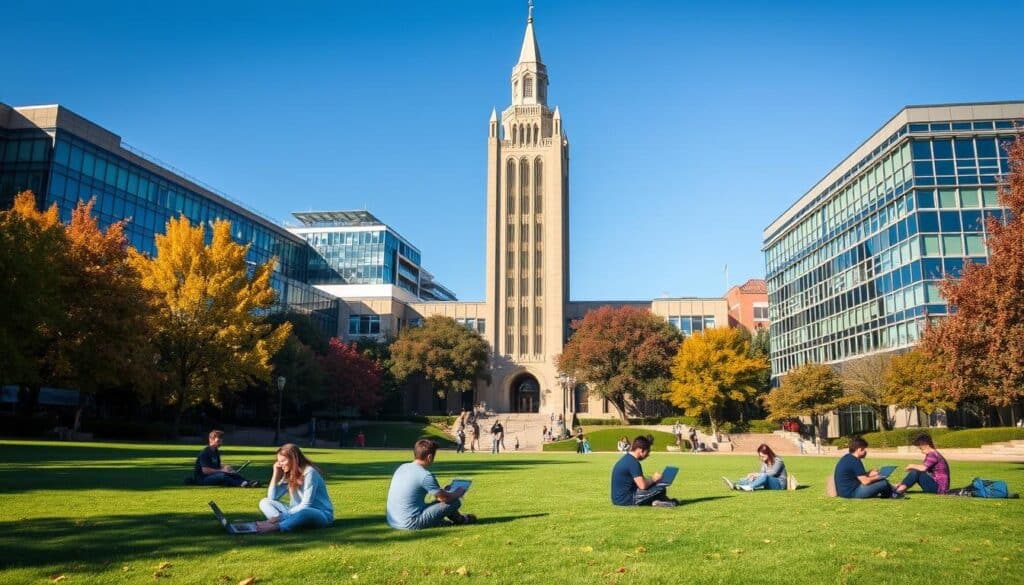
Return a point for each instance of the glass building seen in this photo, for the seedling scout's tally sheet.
(63, 158)
(854, 266)
(354, 247)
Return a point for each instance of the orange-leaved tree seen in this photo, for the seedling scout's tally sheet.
(206, 332)
(980, 347)
(711, 369)
(808, 390)
(621, 353)
(912, 381)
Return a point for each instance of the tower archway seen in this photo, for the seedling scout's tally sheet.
(525, 393)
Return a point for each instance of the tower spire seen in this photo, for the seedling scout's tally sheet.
(530, 52)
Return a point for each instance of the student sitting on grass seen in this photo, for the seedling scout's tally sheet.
(209, 471)
(411, 482)
(772, 475)
(853, 481)
(932, 474)
(309, 505)
(630, 487)
(623, 445)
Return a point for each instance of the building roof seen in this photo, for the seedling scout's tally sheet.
(337, 218)
(530, 52)
(754, 286)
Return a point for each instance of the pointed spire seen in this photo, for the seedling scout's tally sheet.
(494, 115)
(530, 52)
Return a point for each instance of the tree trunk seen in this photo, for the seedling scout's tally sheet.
(620, 405)
(882, 414)
(179, 410)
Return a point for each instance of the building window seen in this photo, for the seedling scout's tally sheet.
(510, 185)
(528, 87)
(481, 326)
(524, 232)
(538, 286)
(760, 313)
(854, 420)
(538, 316)
(524, 259)
(538, 183)
(524, 286)
(537, 233)
(508, 344)
(537, 259)
(524, 348)
(524, 315)
(364, 324)
(510, 315)
(538, 347)
(511, 260)
(511, 235)
(524, 186)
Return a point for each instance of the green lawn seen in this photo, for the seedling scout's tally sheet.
(115, 513)
(606, 439)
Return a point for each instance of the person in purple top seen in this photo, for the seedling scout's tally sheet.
(932, 474)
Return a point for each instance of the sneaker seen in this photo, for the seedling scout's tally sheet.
(895, 495)
(663, 504)
(729, 483)
(745, 488)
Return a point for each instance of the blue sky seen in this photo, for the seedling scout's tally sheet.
(692, 126)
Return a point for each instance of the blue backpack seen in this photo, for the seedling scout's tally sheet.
(989, 488)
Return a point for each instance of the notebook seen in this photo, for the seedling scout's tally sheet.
(240, 528)
(461, 483)
(886, 470)
(668, 476)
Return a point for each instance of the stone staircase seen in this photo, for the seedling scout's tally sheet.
(749, 442)
(526, 427)
(1006, 449)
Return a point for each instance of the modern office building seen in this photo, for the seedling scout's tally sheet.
(64, 158)
(361, 255)
(853, 267)
(748, 305)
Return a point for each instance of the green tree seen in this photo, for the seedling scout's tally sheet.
(712, 368)
(619, 353)
(912, 381)
(206, 333)
(807, 390)
(864, 384)
(451, 357)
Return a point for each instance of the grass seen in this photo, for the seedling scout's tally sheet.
(392, 435)
(116, 513)
(605, 439)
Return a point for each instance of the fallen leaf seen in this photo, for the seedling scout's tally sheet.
(883, 553)
(355, 576)
(848, 568)
(462, 571)
(126, 568)
(621, 570)
(248, 581)
(587, 549)
(58, 578)
(767, 541)
(737, 551)
(164, 565)
(641, 549)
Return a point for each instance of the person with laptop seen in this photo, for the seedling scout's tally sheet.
(309, 505)
(853, 481)
(209, 471)
(932, 474)
(412, 482)
(772, 475)
(629, 485)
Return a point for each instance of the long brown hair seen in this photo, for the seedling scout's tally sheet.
(765, 449)
(297, 463)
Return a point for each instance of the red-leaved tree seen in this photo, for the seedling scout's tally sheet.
(980, 348)
(351, 380)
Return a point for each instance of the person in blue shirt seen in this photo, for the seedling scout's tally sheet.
(853, 481)
(629, 485)
(209, 471)
(411, 483)
(309, 506)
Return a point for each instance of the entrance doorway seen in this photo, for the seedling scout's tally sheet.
(525, 394)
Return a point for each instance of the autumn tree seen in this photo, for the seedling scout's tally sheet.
(807, 390)
(980, 347)
(31, 250)
(207, 335)
(451, 357)
(712, 368)
(864, 384)
(619, 353)
(351, 379)
(912, 381)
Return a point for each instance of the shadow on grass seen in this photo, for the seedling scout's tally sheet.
(691, 501)
(97, 542)
(503, 519)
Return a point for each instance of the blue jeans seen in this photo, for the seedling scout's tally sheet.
(647, 497)
(927, 482)
(763, 480)
(434, 514)
(221, 478)
(879, 488)
(305, 518)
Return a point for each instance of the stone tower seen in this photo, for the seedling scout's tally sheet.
(527, 240)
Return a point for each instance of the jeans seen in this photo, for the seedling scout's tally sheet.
(434, 514)
(763, 480)
(646, 497)
(927, 482)
(494, 445)
(872, 490)
(305, 518)
(222, 478)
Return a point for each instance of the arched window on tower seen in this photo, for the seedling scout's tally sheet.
(536, 135)
(524, 186)
(515, 134)
(538, 186)
(529, 132)
(510, 185)
(515, 88)
(528, 86)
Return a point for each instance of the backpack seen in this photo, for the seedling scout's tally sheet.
(986, 488)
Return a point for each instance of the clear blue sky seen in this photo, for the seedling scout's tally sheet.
(692, 126)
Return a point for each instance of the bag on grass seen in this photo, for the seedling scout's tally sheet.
(791, 482)
(989, 488)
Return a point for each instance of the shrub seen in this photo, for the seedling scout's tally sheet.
(762, 426)
(894, 438)
(977, 437)
(127, 431)
(16, 425)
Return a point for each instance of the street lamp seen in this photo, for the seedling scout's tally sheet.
(280, 400)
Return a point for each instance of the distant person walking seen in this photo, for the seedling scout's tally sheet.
(694, 443)
(474, 444)
(677, 430)
(497, 432)
(361, 440)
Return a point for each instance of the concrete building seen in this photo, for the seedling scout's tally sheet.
(853, 266)
(748, 305)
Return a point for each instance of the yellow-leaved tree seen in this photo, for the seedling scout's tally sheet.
(207, 334)
(712, 368)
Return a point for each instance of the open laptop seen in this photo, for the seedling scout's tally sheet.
(461, 483)
(242, 467)
(886, 470)
(239, 528)
(668, 476)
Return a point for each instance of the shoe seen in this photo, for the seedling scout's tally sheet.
(746, 488)
(663, 504)
(729, 483)
(895, 495)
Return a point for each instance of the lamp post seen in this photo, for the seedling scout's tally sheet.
(280, 401)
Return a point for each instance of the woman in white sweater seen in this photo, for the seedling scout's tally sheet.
(308, 506)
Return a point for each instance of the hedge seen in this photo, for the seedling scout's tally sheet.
(978, 437)
(15, 425)
(606, 439)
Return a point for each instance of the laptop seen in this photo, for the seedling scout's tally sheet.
(461, 483)
(242, 467)
(667, 476)
(239, 528)
(886, 470)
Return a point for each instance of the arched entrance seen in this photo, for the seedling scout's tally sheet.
(525, 394)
